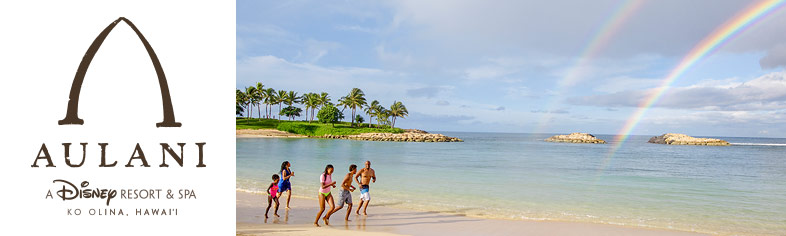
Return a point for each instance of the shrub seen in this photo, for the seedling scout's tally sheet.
(328, 114)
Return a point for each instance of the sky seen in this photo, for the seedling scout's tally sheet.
(525, 66)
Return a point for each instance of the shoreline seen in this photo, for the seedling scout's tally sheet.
(265, 133)
(389, 220)
(410, 135)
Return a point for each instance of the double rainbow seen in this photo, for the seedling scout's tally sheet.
(721, 35)
(600, 39)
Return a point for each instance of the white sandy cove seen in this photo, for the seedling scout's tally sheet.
(386, 220)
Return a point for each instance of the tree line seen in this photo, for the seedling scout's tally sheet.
(258, 95)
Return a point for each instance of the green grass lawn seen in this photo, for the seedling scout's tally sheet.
(242, 123)
(311, 129)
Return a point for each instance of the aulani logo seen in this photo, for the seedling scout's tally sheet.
(72, 118)
(137, 154)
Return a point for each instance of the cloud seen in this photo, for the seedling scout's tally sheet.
(500, 108)
(442, 103)
(775, 57)
(255, 39)
(519, 25)
(425, 92)
(520, 92)
(715, 118)
(422, 117)
(487, 72)
(396, 59)
(622, 83)
(358, 29)
(315, 50)
(279, 73)
(556, 111)
(767, 92)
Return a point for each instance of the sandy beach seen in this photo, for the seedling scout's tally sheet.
(265, 133)
(388, 220)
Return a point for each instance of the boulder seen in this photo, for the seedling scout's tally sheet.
(409, 136)
(575, 138)
(681, 139)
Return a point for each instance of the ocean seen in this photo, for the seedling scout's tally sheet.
(725, 190)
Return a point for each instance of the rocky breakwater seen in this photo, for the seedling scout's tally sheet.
(409, 136)
(575, 138)
(681, 139)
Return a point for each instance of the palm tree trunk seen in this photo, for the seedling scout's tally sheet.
(279, 111)
(247, 106)
(352, 118)
(259, 111)
(394, 123)
(369, 120)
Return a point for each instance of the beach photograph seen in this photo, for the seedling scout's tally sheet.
(502, 117)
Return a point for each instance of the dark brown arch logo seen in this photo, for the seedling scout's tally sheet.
(73, 103)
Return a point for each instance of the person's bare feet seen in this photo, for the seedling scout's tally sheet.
(266, 216)
(316, 224)
(288, 208)
(364, 213)
(357, 212)
(347, 219)
(327, 221)
(276, 215)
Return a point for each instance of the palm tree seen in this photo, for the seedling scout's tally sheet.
(382, 116)
(281, 96)
(250, 93)
(270, 99)
(311, 101)
(355, 99)
(322, 100)
(397, 110)
(240, 100)
(260, 95)
(371, 110)
(290, 99)
(306, 101)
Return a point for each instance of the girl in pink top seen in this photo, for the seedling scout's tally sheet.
(326, 182)
(273, 190)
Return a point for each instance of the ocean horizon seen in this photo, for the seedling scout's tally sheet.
(724, 190)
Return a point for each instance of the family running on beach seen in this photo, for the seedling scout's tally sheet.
(363, 177)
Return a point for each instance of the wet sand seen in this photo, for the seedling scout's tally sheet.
(388, 220)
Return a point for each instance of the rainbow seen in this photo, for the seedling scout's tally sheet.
(601, 38)
(719, 37)
(599, 41)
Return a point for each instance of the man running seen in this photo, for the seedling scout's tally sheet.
(366, 176)
(345, 196)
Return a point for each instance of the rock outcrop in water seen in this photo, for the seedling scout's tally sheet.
(408, 136)
(575, 138)
(681, 139)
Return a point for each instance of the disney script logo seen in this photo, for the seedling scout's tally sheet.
(69, 191)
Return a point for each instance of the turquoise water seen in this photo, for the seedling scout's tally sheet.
(739, 189)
